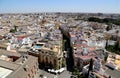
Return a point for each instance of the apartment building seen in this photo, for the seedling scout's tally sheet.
(13, 65)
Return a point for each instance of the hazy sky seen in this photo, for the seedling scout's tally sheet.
(103, 6)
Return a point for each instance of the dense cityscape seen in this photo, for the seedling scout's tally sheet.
(59, 45)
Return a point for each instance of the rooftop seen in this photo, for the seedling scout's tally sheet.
(4, 72)
(113, 73)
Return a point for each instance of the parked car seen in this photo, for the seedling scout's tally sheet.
(56, 71)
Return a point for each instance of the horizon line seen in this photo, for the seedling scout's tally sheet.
(56, 12)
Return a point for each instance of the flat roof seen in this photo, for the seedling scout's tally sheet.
(4, 72)
(113, 73)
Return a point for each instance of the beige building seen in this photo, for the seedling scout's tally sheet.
(49, 55)
(17, 66)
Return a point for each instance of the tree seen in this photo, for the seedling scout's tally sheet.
(93, 19)
(105, 20)
(41, 75)
(106, 45)
(75, 72)
(63, 63)
(15, 28)
(114, 48)
(109, 27)
(117, 46)
(90, 66)
(108, 37)
(63, 45)
(12, 30)
(117, 31)
(106, 56)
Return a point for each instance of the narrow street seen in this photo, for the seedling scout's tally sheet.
(69, 60)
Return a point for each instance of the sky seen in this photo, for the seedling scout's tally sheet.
(89, 6)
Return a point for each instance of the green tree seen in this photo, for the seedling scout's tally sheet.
(106, 45)
(12, 30)
(117, 46)
(105, 20)
(75, 72)
(15, 28)
(63, 63)
(106, 56)
(114, 48)
(109, 27)
(41, 75)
